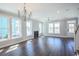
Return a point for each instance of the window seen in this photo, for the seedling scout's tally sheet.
(54, 28)
(16, 27)
(3, 27)
(71, 26)
(57, 28)
(50, 28)
(29, 28)
(40, 27)
(5, 30)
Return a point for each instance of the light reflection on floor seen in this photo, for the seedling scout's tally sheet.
(57, 43)
(54, 45)
(43, 46)
(29, 47)
(71, 45)
(54, 42)
(1, 50)
(50, 41)
(12, 48)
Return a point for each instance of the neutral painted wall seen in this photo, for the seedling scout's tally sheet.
(63, 28)
(35, 26)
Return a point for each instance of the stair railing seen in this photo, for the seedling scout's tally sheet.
(77, 28)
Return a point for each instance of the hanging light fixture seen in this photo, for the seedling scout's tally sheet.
(19, 13)
(29, 16)
(24, 14)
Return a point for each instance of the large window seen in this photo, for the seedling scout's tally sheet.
(57, 28)
(54, 28)
(71, 26)
(29, 28)
(3, 27)
(40, 27)
(50, 28)
(16, 27)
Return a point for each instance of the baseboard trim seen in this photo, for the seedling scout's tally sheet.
(60, 36)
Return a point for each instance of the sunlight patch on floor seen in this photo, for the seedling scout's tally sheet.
(12, 48)
(1, 50)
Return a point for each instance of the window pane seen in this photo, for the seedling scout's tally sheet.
(3, 27)
(57, 27)
(29, 28)
(71, 28)
(50, 28)
(0, 34)
(40, 27)
(16, 27)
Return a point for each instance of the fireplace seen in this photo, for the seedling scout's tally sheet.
(36, 34)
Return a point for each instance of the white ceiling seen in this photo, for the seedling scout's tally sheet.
(43, 11)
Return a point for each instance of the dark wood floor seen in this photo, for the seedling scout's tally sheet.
(44, 46)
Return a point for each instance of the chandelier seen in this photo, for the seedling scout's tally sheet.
(23, 13)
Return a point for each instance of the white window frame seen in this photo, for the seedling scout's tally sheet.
(71, 22)
(50, 28)
(40, 28)
(2, 39)
(57, 28)
(28, 28)
(18, 28)
(9, 28)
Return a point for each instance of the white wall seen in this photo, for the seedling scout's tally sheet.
(63, 28)
(35, 26)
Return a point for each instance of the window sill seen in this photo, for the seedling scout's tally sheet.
(3, 40)
(13, 38)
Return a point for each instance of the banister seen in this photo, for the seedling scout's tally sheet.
(76, 29)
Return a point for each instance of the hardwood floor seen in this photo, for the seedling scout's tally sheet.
(44, 46)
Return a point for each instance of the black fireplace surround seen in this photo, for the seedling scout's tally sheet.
(36, 34)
